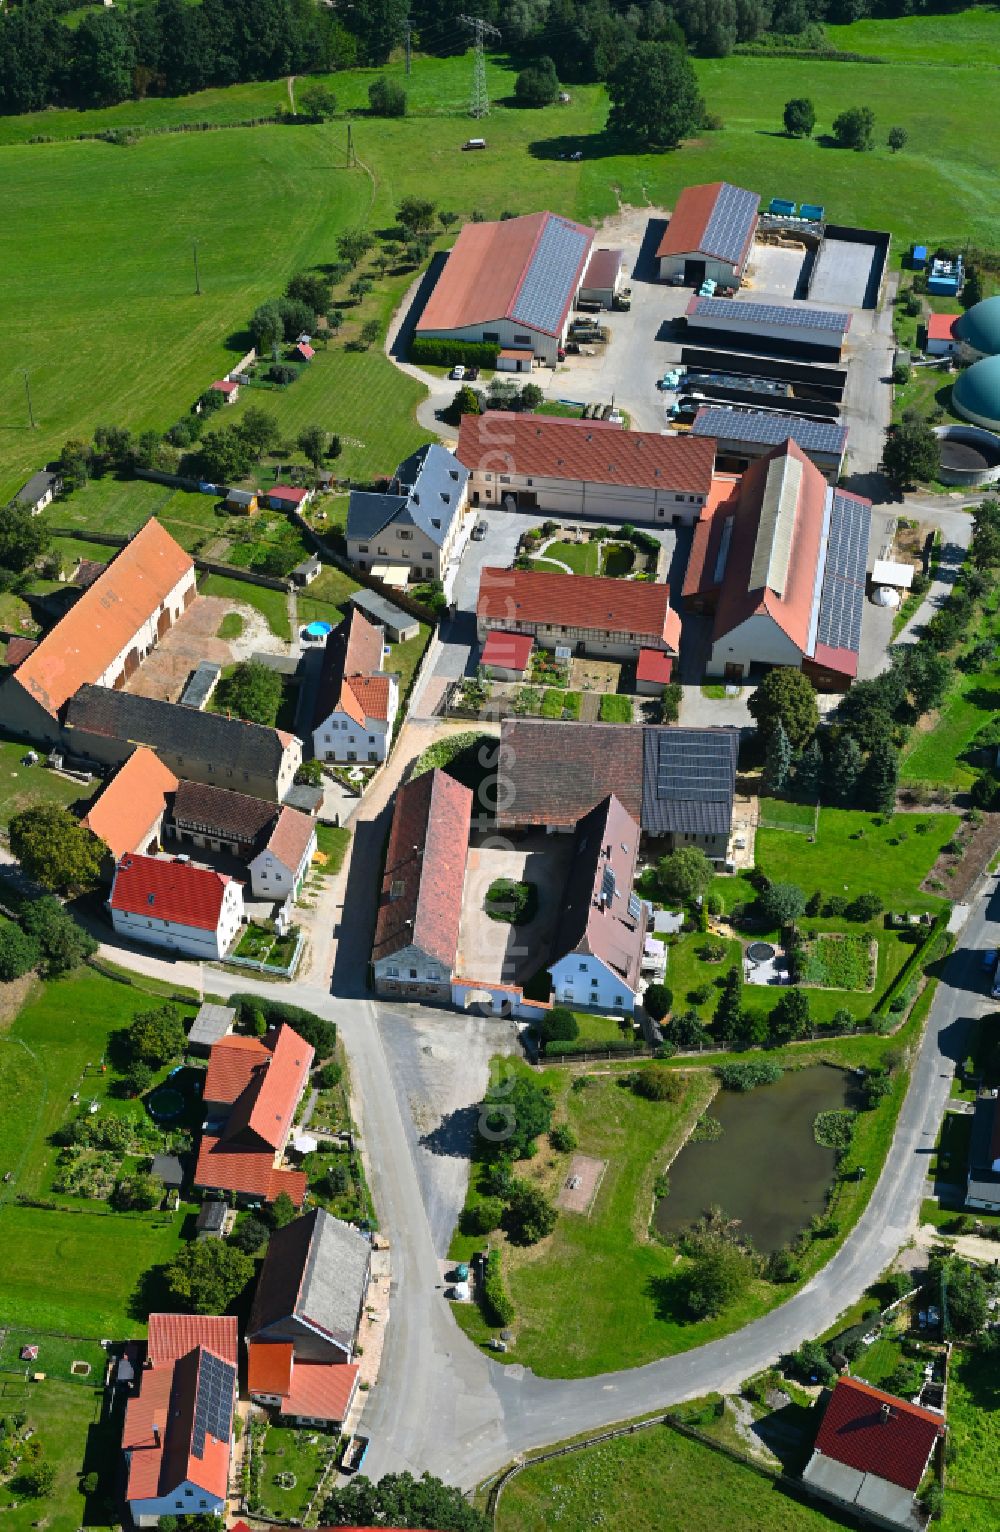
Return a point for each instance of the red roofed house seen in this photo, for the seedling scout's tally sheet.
(511, 284)
(710, 235)
(174, 905)
(288, 497)
(128, 816)
(589, 614)
(505, 656)
(279, 869)
(305, 1318)
(871, 1454)
(781, 560)
(252, 1092)
(572, 468)
(941, 337)
(652, 672)
(303, 351)
(228, 388)
(599, 942)
(420, 905)
(104, 636)
(179, 1421)
(356, 702)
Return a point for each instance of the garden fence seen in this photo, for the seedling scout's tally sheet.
(285, 971)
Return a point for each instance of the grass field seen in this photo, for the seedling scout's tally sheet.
(937, 754)
(272, 604)
(854, 852)
(109, 504)
(657, 1480)
(972, 1500)
(77, 1437)
(75, 1271)
(134, 212)
(23, 786)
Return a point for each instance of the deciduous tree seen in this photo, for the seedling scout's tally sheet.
(537, 84)
(855, 128)
(912, 453)
(684, 873)
(799, 117)
(897, 139)
(312, 441)
(156, 1037)
(400, 1500)
(654, 96)
(253, 692)
(55, 850)
(786, 695)
(204, 1278)
(23, 538)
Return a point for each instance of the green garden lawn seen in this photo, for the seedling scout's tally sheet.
(272, 604)
(22, 787)
(657, 1480)
(853, 853)
(972, 1502)
(936, 755)
(77, 1437)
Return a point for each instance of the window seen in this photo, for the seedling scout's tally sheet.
(413, 973)
(392, 973)
(331, 755)
(189, 1492)
(362, 547)
(583, 968)
(404, 535)
(428, 555)
(505, 478)
(488, 477)
(371, 739)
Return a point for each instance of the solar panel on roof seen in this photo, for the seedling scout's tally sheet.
(770, 430)
(692, 767)
(730, 224)
(738, 311)
(213, 1411)
(551, 276)
(634, 906)
(608, 884)
(842, 599)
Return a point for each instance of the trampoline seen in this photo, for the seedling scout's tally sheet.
(760, 952)
(165, 1104)
(319, 629)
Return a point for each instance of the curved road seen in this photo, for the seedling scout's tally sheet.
(442, 1405)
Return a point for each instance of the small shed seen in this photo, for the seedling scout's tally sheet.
(941, 337)
(505, 656)
(211, 1025)
(887, 572)
(603, 276)
(306, 572)
(652, 672)
(303, 352)
(211, 1220)
(169, 1169)
(204, 680)
(918, 257)
(228, 388)
(399, 625)
(243, 501)
(288, 497)
(40, 491)
(514, 359)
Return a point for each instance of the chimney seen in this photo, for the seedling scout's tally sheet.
(886, 1412)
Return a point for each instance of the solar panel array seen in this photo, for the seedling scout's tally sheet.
(608, 884)
(634, 906)
(842, 601)
(770, 430)
(729, 226)
(213, 1410)
(735, 310)
(550, 280)
(690, 765)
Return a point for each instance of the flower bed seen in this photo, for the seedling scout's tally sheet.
(837, 961)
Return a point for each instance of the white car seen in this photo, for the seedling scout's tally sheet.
(458, 373)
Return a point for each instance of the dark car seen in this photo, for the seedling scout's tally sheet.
(471, 374)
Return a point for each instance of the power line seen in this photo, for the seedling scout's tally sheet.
(480, 103)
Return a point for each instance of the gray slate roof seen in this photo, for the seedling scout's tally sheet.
(316, 1270)
(38, 485)
(425, 494)
(212, 737)
(381, 611)
(689, 780)
(212, 1023)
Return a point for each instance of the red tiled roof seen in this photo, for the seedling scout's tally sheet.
(277, 1096)
(482, 276)
(370, 695)
(509, 651)
(248, 1171)
(421, 897)
(547, 447)
(305, 351)
(288, 492)
(685, 233)
(18, 649)
(225, 386)
(160, 1437)
(654, 665)
(322, 1390)
(231, 1063)
(106, 618)
(579, 601)
(352, 650)
(602, 269)
(269, 1367)
(516, 353)
(149, 885)
(290, 838)
(942, 326)
(877, 1433)
(174, 1335)
(132, 802)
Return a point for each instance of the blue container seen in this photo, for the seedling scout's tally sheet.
(812, 212)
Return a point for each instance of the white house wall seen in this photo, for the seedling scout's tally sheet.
(176, 937)
(412, 971)
(721, 272)
(574, 498)
(585, 982)
(508, 335)
(146, 637)
(399, 544)
(341, 738)
(270, 878)
(188, 1499)
(758, 641)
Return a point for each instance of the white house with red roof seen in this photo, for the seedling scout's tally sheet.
(251, 1094)
(178, 1432)
(356, 700)
(585, 468)
(780, 559)
(279, 869)
(174, 905)
(941, 337)
(228, 388)
(288, 497)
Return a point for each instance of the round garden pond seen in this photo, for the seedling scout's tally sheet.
(761, 952)
(165, 1104)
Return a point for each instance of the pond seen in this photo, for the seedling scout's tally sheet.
(767, 1168)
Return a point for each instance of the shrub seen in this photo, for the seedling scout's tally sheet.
(328, 1077)
(835, 906)
(18, 952)
(657, 1001)
(515, 904)
(782, 1267)
(563, 1138)
(835, 1129)
(497, 1305)
(532, 1216)
(864, 908)
(811, 1363)
(654, 1083)
(484, 1217)
(386, 98)
(315, 1030)
(280, 372)
(745, 1076)
(449, 353)
(558, 1025)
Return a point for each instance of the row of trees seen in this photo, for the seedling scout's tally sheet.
(854, 128)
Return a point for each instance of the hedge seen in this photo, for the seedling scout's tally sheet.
(498, 1308)
(448, 353)
(566, 1048)
(930, 948)
(317, 1031)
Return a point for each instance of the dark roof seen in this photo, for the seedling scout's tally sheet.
(38, 485)
(874, 1432)
(211, 1217)
(169, 1169)
(600, 915)
(689, 779)
(759, 427)
(984, 1149)
(381, 611)
(316, 1269)
(218, 810)
(425, 493)
(354, 648)
(421, 898)
(742, 311)
(232, 742)
(669, 779)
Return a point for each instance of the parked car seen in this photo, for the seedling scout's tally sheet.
(471, 374)
(480, 530)
(457, 373)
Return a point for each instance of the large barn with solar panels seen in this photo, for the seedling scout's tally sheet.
(774, 328)
(709, 236)
(741, 436)
(512, 284)
(781, 563)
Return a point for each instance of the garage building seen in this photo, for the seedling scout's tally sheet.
(510, 284)
(573, 468)
(742, 436)
(710, 235)
(770, 327)
(603, 277)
